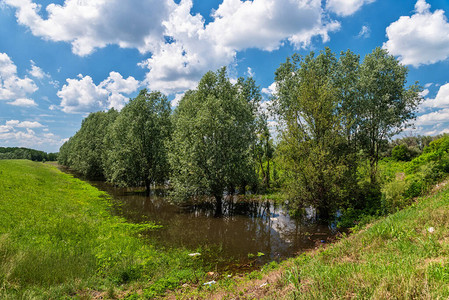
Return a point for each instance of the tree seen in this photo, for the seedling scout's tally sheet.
(213, 138)
(264, 150)
(308, 104)
(137, 142)
(385, 105)
(84, 152)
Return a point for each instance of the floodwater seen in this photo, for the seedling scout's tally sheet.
(249, 234)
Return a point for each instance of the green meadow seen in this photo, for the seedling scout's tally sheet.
(58, 239)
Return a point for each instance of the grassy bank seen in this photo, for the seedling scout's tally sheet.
(58, 239)
(402, 256)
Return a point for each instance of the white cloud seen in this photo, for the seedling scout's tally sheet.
(424, 93)
(37, 72)
(24, 124)
(83, 95)
(23, 102)
(266, 24)
(270, 90)
(29, 124)
(433, 118)
(250, 72)
(16, 133)
(182, 46)
(364, 32)
(92, 24)
(13, 87)
(440, 101)
(420, 39)
(196, 48)
(115, 83)
(346, 7)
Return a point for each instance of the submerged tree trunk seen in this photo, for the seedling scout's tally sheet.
(147, 187)
(219, 204)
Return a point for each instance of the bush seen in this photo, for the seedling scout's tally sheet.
(401, 153)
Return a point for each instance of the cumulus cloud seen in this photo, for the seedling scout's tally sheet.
(346, 7)
(266, 24)
(24, 124)
(23, 102)
(440, 101)
(434, 117)
(194, 48)
(420, 39)
(181, 45)
(21, 133)
(83, 95)
(13, 87)
(93, 24)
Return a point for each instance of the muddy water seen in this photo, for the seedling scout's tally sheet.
(250, 232)
(234, 241)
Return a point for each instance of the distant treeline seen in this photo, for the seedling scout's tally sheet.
(336, 115)
(26, 153)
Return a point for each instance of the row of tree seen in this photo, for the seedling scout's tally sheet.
(26, 153)
(335, 114)
(207, 146)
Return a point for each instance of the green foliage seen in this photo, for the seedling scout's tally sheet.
(137, 140)
(213, 138)
(313, 149)
(385, 104)
(26, 153)
(401, 152)
(336, 114)
(85, 151)
(403, 181)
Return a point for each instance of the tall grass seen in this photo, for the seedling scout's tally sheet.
(403, 256)
(58, 239)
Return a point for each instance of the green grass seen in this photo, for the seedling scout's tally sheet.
(58, 239)
(394, 258)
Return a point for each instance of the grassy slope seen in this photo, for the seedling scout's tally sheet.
(57, 238)
(396, 257)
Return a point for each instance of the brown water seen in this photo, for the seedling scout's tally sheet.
(231, 242)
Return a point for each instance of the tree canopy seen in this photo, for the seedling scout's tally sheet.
(137, 141)
(213, 137)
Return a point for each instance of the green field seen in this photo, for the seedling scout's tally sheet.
(58, 239)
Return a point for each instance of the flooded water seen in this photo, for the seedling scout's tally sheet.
(250, 232)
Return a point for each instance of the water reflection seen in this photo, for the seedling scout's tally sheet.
(246, 228)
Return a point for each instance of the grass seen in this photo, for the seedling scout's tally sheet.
(58, 239)
(399, 256)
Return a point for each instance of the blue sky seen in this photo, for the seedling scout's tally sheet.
(60, 60)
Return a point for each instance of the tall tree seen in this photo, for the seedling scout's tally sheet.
(137, 152)
(308, 103)
(213, 139)
(84, 152)
(264, 150)
(385, 104)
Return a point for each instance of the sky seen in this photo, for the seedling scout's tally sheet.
(61, 60)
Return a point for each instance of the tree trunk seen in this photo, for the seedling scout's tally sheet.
(147, 187)
(268, 173)
(218, 203)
